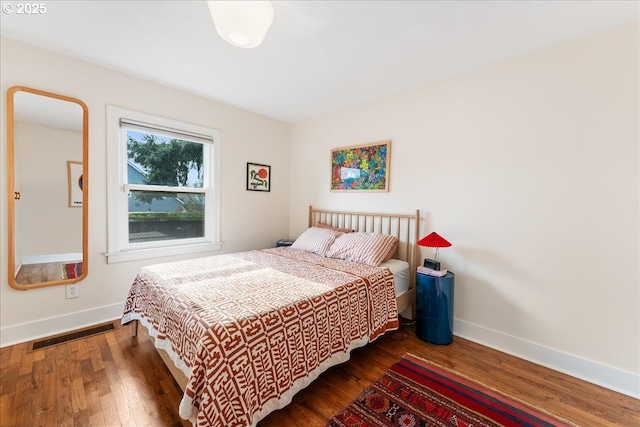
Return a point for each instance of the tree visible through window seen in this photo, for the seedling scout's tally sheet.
(165, 178)
(172, 162)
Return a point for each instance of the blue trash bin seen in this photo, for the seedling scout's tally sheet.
(434, 308)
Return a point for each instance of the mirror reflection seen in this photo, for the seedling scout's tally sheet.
(47, 166)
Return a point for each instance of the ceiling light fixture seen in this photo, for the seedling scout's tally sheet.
(242, 23)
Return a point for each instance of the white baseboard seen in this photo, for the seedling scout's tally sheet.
(606, 376)
(39, 259)
(24, 332)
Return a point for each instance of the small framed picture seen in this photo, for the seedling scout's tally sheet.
(75, 183)
(258, 177)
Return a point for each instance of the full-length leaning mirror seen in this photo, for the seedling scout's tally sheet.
(47, 166)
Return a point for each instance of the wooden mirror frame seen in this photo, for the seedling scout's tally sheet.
(12, 194)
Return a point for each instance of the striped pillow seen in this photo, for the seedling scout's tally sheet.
(365, 248)
(342, 230)
(316, 240)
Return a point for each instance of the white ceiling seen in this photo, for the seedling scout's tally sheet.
(47, 111)
(319, 56)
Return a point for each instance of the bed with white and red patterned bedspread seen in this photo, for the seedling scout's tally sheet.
(251, 329)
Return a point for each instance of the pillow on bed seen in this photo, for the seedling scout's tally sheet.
(366, 248)
(392, 252)
(331, 227)
(317, 240)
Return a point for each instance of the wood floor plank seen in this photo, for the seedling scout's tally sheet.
(38, 273)
(94, 407)
(97, 420)
(110, 410)
(113, 379)
(124, 411)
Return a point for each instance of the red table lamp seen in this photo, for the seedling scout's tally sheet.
(434, 240)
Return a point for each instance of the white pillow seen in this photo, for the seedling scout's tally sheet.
(365, 248)
(317, 240)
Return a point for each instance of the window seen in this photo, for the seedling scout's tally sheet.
(163, 191)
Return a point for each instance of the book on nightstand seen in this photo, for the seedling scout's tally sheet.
(431, 272)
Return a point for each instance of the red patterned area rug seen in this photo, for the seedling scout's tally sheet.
(71, 270)
(414, 392)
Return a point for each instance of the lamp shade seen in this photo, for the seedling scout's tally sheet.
(242, 23)
(434, 240)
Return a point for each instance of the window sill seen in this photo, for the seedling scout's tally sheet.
(138, 254)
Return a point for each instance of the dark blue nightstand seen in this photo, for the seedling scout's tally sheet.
(284, 242)
(434, 308)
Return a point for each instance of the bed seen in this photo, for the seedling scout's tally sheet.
(243, 332)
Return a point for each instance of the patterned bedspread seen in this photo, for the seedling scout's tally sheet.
(251, 329)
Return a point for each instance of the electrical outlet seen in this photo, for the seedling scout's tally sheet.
(73, 290)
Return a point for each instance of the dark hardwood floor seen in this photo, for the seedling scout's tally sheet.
(113, 379)
(37, 273)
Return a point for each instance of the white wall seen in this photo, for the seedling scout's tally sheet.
(249, 219)
(530, 168)
(45, 223)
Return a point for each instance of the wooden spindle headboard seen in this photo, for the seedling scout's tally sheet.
(406, 227)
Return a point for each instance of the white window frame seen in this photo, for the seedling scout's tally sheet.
(119, 248)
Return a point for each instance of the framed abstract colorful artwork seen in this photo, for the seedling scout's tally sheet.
(361, 167)
(258, 177)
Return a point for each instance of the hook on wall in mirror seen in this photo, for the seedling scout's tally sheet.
(16, 195)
